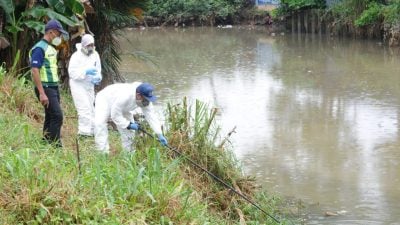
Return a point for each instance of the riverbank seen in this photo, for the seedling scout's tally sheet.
(40, 184)
(347, 18)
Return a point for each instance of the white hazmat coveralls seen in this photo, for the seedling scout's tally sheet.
(118, 102)
(82, 89)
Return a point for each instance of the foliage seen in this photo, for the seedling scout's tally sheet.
(15, 94)
(369, 16)
(357, 12)
(350, 8)
(361, 13)
(391, 12)
(287, 6)
(194, 10)
(301, 4)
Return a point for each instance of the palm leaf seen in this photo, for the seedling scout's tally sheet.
(40, 12)
(67, 7)
(57, 5)
(8, 7)
(35, 25)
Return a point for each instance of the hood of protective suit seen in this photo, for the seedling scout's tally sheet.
(87, 39)
(78, 46)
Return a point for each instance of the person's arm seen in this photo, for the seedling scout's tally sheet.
(154, 123)
(98, 66)
(152, 118)
(38, 83)
(36, 62)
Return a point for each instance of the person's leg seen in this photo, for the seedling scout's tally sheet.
(83, 97)
(126, 139)
(55, 115)
(90, 111)
(100, 125)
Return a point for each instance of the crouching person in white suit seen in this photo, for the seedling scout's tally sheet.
(84, 72)
(118, 102)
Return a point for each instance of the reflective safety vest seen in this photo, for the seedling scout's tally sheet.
(48, 72)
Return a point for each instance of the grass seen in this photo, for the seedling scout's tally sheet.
(43, 185)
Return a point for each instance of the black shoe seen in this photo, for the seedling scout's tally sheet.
(56, 144)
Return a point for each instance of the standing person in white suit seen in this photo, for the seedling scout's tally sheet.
(84, 73)
(118, 102)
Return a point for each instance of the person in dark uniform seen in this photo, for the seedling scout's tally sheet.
(44, 69)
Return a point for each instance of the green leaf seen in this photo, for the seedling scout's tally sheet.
(57, 5)
(14, 29)
(38, 26)
(36, 12)
(75, 5)
(7, 5)
(40, 12)
(67, 7)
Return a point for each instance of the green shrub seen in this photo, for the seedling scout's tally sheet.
(391, 12)
(201, 10)
(371, 15)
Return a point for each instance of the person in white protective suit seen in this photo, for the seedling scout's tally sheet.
(118, 102)
(84, 73)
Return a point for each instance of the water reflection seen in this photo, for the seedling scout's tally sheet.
(317, 118)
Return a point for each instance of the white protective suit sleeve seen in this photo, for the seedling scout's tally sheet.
(79, 63)
(151, 118)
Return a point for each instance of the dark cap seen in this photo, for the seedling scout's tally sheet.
(146, 90)
(55, 25)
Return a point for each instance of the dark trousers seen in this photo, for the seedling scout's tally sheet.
(53, 119)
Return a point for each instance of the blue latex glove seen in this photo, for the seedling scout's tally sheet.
(162, 140)
(133, 126)
(91, 72)
(95, 80)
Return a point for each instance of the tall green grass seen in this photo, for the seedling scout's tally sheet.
(43, 185)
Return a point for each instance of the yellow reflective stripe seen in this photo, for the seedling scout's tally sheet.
(48, 71)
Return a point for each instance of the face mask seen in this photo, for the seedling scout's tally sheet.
(56, 41)
(90, 50)
(142, 103)
(87, 50)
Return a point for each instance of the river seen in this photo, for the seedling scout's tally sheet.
(316, 117)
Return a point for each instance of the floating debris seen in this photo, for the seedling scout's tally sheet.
(328, 213)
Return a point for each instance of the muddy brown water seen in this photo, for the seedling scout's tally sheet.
(317, 118)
